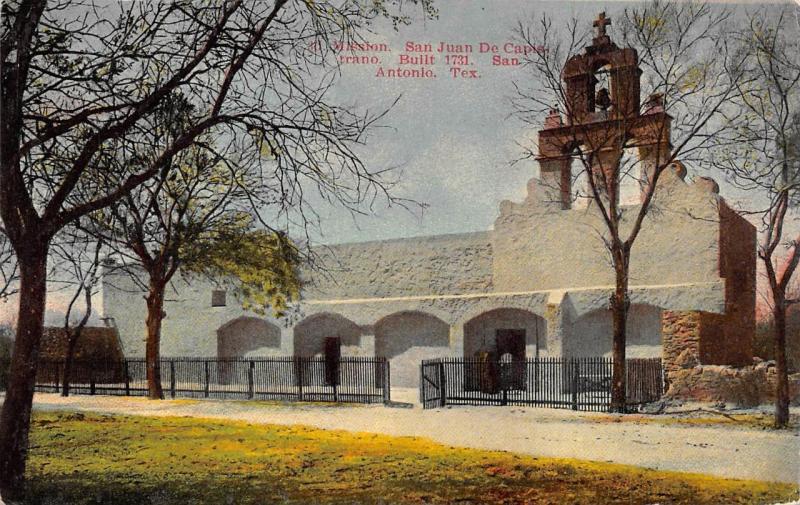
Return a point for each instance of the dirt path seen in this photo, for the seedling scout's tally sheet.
(724, 451)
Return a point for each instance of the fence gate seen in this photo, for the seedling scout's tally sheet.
(568, 383)
(432, 392)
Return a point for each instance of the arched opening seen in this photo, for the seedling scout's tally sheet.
(329, 336)
(517, 333)
(317, 334)
(591, 335)
(247, 336)
(483, 333)
(602, 93)
(406, 338)
(244, 337)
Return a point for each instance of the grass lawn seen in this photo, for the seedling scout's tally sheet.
(93, 458)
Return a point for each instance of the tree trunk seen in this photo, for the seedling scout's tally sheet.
(72, 341)
(16, 415)
(782, 379)
(155, 314)
(619, 314)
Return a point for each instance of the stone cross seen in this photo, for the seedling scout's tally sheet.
(600, 23)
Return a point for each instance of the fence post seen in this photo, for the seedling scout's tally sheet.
(205, 390)
(91, 380)
(387, 387)
(334, 375)
(298, 366)
(58, 375)
(250, 382)
(442, 386)
(172, 378)
(127, 378)
(574, 383)
(422, 384)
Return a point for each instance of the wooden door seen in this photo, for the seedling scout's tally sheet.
(512, 342)
(333, 354)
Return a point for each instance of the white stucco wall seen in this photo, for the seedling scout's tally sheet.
(541, 269)
(590, 334)
(539, 246)
(444, 264)
(191, 323)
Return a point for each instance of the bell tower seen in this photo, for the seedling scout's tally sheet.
(603, 117)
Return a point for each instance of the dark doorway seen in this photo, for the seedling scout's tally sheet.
(510, 345)
(333, 353)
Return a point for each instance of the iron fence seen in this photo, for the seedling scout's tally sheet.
(291, 378)
(573, 383)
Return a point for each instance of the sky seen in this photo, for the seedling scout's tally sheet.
(452, 139)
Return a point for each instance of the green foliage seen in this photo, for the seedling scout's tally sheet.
(259, 266)
(197, 218)
(90, 458)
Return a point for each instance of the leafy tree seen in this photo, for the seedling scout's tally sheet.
(197, 219)
(259, 266)
(80, 79)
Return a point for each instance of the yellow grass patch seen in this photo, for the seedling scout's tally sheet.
(93, 458)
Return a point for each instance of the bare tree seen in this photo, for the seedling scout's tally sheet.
(761, 154)
(79, 78)
(78, 259)
(689, 77)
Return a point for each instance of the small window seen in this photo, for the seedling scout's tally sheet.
(218, 298)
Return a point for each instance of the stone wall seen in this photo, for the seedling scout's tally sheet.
(742, 386)
(680, 331)
(696, 341)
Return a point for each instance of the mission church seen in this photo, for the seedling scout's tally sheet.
(537, 284)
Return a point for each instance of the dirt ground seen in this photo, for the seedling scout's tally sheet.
(736, 452)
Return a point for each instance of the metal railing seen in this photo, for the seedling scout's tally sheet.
(290, 378)
(573, 383)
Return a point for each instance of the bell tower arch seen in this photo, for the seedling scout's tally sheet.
(603, 121)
